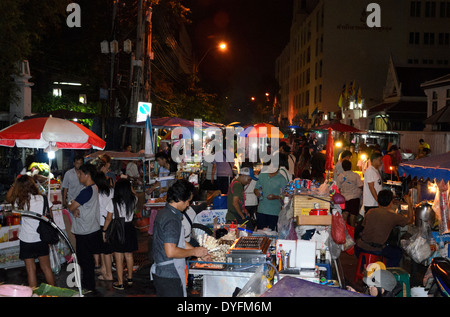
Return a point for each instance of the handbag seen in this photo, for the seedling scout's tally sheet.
(47, 233)
(115, 233)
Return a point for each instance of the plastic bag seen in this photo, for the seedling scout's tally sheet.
(444, 225)
(54, 259)
(285, 221)
(418, 246)
(338, 227)
(349, 241)
(334, 248)
(256, 285)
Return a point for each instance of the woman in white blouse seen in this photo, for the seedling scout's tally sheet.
(124, 200)
(25, 196)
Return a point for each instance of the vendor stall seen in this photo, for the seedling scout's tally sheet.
(430, 233)
(50, 134)
(300, 248)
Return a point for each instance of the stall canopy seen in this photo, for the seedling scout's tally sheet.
(127, 156)
(432, 167)
(262, 130)
(339, 127)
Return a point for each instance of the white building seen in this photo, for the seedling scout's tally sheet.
(332, 45)
(438, 101)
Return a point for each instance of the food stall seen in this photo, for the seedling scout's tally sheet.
(50, 134)
(300, 248)
(432, 208)
(130, 156)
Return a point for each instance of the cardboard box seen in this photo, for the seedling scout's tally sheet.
(303, 220)
(303, 204)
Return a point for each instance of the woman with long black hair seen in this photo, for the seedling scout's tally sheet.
(124, 200)
(105, 195)
(25, 196)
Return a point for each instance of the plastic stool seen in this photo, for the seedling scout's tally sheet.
(326, 265)
(368, 258)
(403, 277)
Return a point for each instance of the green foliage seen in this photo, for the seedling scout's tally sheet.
(23, 25)
(52, 103)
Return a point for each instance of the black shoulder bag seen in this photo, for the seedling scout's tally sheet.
(47, 233)
(115, 233)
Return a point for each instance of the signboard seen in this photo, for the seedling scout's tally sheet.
(144, 110)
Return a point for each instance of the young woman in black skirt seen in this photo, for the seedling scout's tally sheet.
(125, 201)
(25, 196)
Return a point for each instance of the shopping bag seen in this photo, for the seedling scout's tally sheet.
(337, 227)
(54, 259)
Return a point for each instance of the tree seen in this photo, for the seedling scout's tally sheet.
(23, 25)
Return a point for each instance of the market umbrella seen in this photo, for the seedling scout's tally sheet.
(262, 130)
(330, 151)
(339, 127)
(297, 127)
(50, 134)
(432, 167)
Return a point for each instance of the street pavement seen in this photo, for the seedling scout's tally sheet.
(143, 286)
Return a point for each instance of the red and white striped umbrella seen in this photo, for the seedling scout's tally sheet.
(55, 132)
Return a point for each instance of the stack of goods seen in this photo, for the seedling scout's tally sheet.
(301, 186)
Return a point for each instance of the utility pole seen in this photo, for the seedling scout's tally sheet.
(140, 89)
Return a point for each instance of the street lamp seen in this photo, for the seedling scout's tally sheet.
(222, 46)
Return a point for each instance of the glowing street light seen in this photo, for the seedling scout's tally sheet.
(222, 46)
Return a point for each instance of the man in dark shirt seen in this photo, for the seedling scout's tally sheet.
(170, 249)
(318, 165)
(378, 224)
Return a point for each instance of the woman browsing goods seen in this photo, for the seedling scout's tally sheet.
(124, 200)
(25, 196)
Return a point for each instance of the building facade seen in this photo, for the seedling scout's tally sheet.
(332, 45)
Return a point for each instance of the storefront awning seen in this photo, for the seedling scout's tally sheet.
(432, 167)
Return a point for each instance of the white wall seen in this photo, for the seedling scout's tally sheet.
(438, 141)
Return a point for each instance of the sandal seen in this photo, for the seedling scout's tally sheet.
(130, 281)
(101, 277)
(119, 287)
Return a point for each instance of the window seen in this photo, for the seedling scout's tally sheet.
(430, 9)
(433, 107)
(444, 9)
(428, 38)
(444, 39)
(415, 9)
(414, 38)
(57, 92)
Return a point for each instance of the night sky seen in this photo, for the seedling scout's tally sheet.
(256, 32)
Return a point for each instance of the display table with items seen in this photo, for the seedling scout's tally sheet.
(10, 244)
(301, 247)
